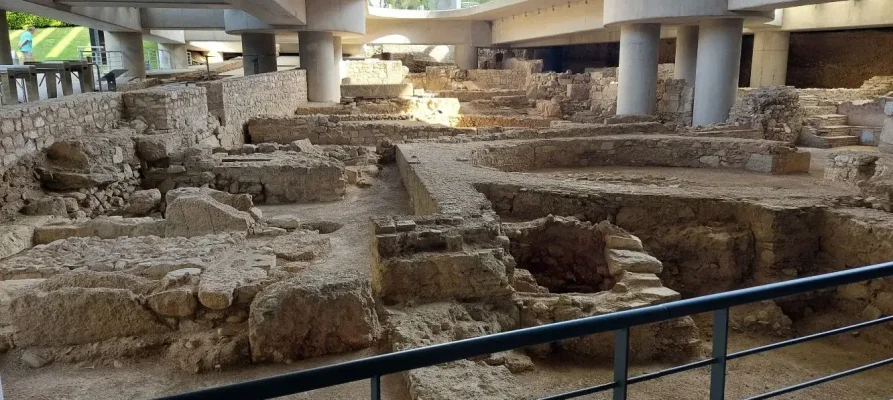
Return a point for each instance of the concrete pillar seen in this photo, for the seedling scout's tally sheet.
(686, 53)
(258, 53)
(178, 53)
(466, 56)
(130, 46)
(317, 51)
(719, 62)
(770, 58)
(339, 58)
(637, 89)
(5, 46)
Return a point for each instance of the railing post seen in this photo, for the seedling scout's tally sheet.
(720, 350)
(621, 362)
(376, 388)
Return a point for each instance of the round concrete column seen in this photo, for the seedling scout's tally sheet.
(178, 53)
(770, 58)
(5, 46)
(637, 89)
(258, 53)
(130, 47)
(317, 51)
(339, 58)
(686, 53)
(719, 62)
(466, 56)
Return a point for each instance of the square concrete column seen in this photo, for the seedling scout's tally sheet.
(128, 46)
(639, 51)
(178, 53)
(5, 46)
(466, 56)
(770, 58)
(258, 53)
(686, 53)
(317, 53)
(719, 62)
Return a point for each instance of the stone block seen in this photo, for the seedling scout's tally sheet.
(191, 215)
(310, 317)
(380, 91)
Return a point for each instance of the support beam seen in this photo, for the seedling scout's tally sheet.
(637, 89)
(317, 51)
(129, 46)
(719, 62)
(258, 53)
(5, 46)
(770, 58)
(466, 56)
(686, 53)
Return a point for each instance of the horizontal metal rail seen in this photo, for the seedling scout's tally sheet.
(821, 380)
(374, 367)
(786, 343)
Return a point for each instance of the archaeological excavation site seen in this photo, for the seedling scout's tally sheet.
(457, 200)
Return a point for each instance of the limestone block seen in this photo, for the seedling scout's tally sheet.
(218, 284)
(18, 236)
(631, 261)
(884, 302)
(478, 381)
(378, 91)
(173, 303)
(143, 202)
(300, 246)
(288, 222)
(430, 276)
(309, 317)
(80, 316)
(626, 242)
(190, 216)
(54, 206)
(241, 202)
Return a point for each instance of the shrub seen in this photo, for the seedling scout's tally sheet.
(19, 20)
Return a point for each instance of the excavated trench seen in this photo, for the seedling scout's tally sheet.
(706, 245)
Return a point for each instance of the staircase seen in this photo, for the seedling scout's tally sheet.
(827, 129)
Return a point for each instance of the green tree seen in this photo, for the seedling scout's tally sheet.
(20, 20)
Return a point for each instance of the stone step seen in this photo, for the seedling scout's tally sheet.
(829, 120)
(815, 110)
(840, 141)
(835, 130)
(809, 101)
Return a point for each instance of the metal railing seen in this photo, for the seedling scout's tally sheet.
(374, 368)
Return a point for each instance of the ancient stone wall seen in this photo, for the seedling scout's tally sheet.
(235, 101)
(323, 129)
(637, 150)
(270, 178)
(675, 101)
(774, 109)
(27, 129)
(184, 109)
(372, 71)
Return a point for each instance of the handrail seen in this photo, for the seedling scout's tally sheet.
(377, 366)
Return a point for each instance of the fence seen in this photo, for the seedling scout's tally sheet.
(374, 368)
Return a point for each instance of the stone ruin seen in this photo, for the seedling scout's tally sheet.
(201, 229)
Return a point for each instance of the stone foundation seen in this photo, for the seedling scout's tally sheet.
(632, 150)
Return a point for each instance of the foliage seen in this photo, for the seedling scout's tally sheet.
(19, 20)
